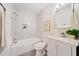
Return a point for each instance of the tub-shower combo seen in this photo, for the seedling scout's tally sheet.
(24, 46)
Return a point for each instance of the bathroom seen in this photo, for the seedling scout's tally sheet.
(31, 28)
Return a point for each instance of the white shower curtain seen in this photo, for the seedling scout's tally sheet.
(2, 27)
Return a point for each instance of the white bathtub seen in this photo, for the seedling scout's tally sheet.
(23, 46)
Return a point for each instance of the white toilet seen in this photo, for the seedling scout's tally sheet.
(40, 48)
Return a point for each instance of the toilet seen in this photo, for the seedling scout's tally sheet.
(40, 48)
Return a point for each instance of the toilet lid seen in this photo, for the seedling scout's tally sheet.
(40, 45)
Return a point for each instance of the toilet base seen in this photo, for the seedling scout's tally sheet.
(40, 53)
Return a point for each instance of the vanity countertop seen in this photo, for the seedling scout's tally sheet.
(64, 39)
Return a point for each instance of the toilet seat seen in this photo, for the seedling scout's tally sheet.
(40, 48)
(40, 45)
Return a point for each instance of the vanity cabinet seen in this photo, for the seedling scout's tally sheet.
(63, 49)
(60, 48)
(51, 47)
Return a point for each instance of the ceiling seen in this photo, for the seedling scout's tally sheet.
(31, 7)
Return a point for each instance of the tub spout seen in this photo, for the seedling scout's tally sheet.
(14, 41)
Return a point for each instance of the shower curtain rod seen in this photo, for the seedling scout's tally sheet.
(3, 7)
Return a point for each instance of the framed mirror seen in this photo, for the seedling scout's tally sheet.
(63, 15)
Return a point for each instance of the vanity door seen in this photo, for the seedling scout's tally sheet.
(63, 49)
(51, 47)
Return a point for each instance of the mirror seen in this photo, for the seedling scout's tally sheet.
(63, 15)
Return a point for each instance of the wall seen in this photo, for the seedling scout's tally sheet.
(48, 14)
(44, 15)
(21, 18)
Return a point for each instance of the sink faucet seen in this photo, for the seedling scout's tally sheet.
(63, 34)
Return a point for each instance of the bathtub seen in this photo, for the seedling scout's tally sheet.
(23, 46)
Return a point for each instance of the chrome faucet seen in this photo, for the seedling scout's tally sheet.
(14, 41)
(63, 34)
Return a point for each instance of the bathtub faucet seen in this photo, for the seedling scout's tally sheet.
(14, 40)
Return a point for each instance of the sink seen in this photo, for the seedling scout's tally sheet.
(63, 39)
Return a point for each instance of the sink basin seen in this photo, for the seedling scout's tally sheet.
(64, 39)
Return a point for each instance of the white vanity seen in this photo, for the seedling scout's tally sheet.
(60, 46)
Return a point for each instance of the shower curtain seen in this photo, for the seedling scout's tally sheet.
(1, 26)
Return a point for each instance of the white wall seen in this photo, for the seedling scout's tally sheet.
(24, 17)
(46, 14)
